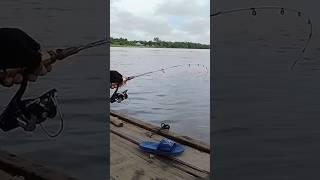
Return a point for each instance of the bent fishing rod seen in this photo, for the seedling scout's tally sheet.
(119, 97)
(27, 113)
(151, 72)
(282, 10)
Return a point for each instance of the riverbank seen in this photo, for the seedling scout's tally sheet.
(157, 43)
(130, 46)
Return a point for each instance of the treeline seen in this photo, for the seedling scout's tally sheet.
(157, 43)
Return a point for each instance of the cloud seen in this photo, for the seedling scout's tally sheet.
(128, 25)
(175, 20)
(184, 8)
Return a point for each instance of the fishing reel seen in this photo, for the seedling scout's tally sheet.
(37, 110)
(119, 97)
(28, 113)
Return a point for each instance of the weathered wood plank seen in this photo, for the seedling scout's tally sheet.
(174, 136)
(5, 176)
(127, 162)
(116, 122)
(191, 156)
(171, 161)
(15, 165)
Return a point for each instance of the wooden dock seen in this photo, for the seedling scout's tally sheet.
(129, 163)
(13, 167)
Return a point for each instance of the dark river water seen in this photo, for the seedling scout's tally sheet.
(80, 150)
(266, 119)
(178, 96)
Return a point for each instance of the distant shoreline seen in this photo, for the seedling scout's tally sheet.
(156, 43)
(128, 46)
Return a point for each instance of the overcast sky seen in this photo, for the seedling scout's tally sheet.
(170, 20)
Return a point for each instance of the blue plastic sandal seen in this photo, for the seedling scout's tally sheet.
(164, 147)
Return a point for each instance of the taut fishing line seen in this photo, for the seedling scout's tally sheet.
(165, 69)
(254, 11)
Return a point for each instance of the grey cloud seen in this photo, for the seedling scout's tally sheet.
(127, 23)
(186, 8)
(195, 27)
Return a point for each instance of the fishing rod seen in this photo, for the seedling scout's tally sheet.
(151, 72)
(119, 97)
(254, 11)
(27, 113)
(51, 56)
(162, 70)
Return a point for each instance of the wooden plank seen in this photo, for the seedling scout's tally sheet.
(116, 122)
(22, 167)
(127, 162)
(171, 135)
(5, 176)
(172, 161)
(191, 156)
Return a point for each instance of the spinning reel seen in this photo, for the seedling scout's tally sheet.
(27, 113)
(119, 97)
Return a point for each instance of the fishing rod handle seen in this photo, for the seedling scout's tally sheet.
(51, 56)
(48, 57)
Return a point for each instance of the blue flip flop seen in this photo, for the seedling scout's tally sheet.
(165, 147)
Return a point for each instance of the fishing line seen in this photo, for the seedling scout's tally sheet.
(163, 70)
(282, 11)
(53, 135)
(119, 97)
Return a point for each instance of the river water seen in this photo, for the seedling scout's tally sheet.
(80, 151)
(178, 96)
